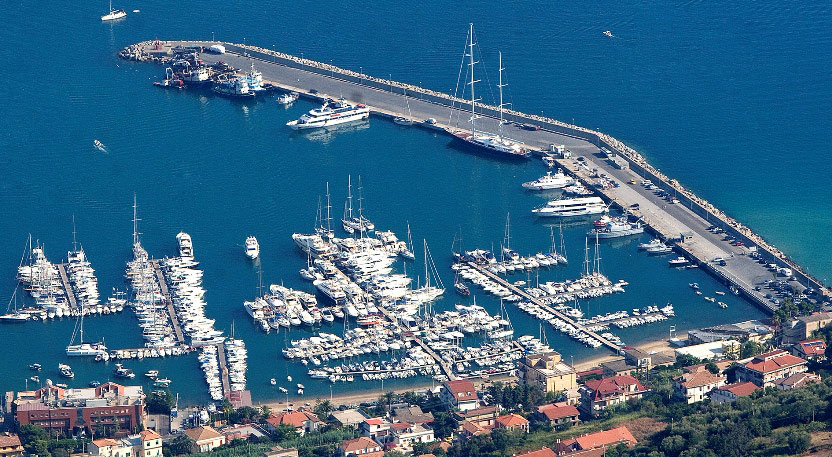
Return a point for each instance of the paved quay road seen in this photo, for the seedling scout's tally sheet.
(669, 220)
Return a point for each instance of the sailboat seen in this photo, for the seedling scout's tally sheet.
(483, 141)
(351, 223)
(406, 121)
(82, 348)
(113, 14)
(407, 253)
(15, 315)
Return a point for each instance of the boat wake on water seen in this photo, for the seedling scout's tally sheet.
(100, 146)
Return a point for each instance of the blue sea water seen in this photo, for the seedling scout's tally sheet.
(731, 99)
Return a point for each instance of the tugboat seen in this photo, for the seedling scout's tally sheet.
(121, 372)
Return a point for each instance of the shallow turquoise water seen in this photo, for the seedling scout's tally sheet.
(725, 98)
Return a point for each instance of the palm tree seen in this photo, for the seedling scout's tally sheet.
(265, 412)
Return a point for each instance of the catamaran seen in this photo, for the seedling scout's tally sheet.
(113, 14)
(82, 348)
(331, 113)
(488, 142)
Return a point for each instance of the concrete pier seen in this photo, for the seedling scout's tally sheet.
(70, 294)
(386, 99)
(226, 382)
(163, 285)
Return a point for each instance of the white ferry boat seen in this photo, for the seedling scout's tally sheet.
(572, 207)
(186, 247)
(252, 248)
(331, 113)
(557, 181)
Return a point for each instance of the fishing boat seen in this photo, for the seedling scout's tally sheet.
(617, 228)
(66, 371)
(582, 206)
(557, 181)
(186, 246)
(252, 248)
(232, 87)
(331, 113)
(654, 243)
(287, 98)
(659, 250)
(678, 262)
(164, 382)
(195, 75)
(482, 141)
(35, 367)
(171, 81)
(113, 14)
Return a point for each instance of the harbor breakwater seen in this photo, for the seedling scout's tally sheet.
(156, 51)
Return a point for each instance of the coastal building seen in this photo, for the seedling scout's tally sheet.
(715, 350)
(205, 438)
(460, 394)
(512, 422)
(110, 407)
(412, 415)
(10, 445)
(752, 330)
(596, 396)
(696, 386)
(803, 327)
(764, 369)
(730, 392)
(483, 416)
(148, 443)
(635, 361)
(558, 414)
(604, 439)
(548, 372)
(796, 380)
(721, 365)
(376, 428)
(241, 432)
(468, 430)
(403, 435)
(814, 349)
(303, 421)
(543, 452)
(351, 418)
(363, 446)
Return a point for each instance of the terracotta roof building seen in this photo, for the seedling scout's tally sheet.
(548, 372)
(730, 392)
(512, 422)
(545, 452)
(364, 447)
(810, 349)
(604, 439)
(559, 414)
(598, 395)
(205, 438)
(303, 421)
(10, 445)
(696, 386)
(412, 414)
(460, 394)
(147, 443)
(767, 368)
(468, 430)
(796, 380)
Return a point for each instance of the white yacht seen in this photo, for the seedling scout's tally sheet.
(82, 348)
(113, 14)
(287, 98)
(331, 113)
(186, 247)
(557, 181)
(572, 207)
(252, 248)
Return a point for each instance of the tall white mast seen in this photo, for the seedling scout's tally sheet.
(471, 64)
(328, 212)
(501, 85)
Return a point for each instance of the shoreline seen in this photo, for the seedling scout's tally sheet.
(651, 346)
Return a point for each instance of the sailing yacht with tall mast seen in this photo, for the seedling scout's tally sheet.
(82, 348)
(488, 142)
(113, 14)
(350, 222)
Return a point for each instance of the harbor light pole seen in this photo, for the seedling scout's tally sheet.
(212, 36)
(360, 74)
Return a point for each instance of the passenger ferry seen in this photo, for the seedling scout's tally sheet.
(572, 207)
(331, 113)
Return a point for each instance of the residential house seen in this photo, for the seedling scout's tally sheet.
(543, 452)
(405, 434)
(241, 432)
(696, 386)
(767, 368)
(376, 428)
(512, 422)
(468, 430)
(483, 416)
(412, 415)
(347, 418)
(796, 380)
(548, 372)
(460, 394)
(205, 438)
(303, 421)
(730, 392)
(810, 349)
(107, 447)
(604, 439)
(148, 443)
(803, 327)
(598, 395)
(10, 445)
(363, 446)
(721, 365)
(636, 360)
(559, 414)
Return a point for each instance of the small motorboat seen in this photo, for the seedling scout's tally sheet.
(287, 98)
(35, 367)
(152, 374)
(609, 34)
(164, 382)
(95, 383)
(273, 381)
(252, 248)
(99, 145)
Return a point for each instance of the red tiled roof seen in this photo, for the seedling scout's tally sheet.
(483, 411)
(798, 379)
(553, 412)
(545, 452)
(373, 421)
(149, 434)
(9, 440)
(605, 438)
(741, 389)
(400, 426)
(104, 442)
(462, 389)
(202, 433)
(512, 420)
(615, 384)
(359, 444)
(699, 379)
(812, 347)
(475, 429)
(773, 361)
(296, 419)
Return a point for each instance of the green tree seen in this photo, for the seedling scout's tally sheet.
(673, 445)
(285, 432)
(160, 402)
(751, 348)
(31, 433)
(686, 360)
(798, 441)
(266, 412)
(711, 366)
(181, 445)
(323, 408)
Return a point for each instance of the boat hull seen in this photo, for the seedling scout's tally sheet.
(467, 139)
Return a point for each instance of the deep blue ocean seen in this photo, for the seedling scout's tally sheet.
(730, 99)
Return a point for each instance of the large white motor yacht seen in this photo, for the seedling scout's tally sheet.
(331, 113)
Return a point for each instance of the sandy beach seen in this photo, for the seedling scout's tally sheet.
(649, 346)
